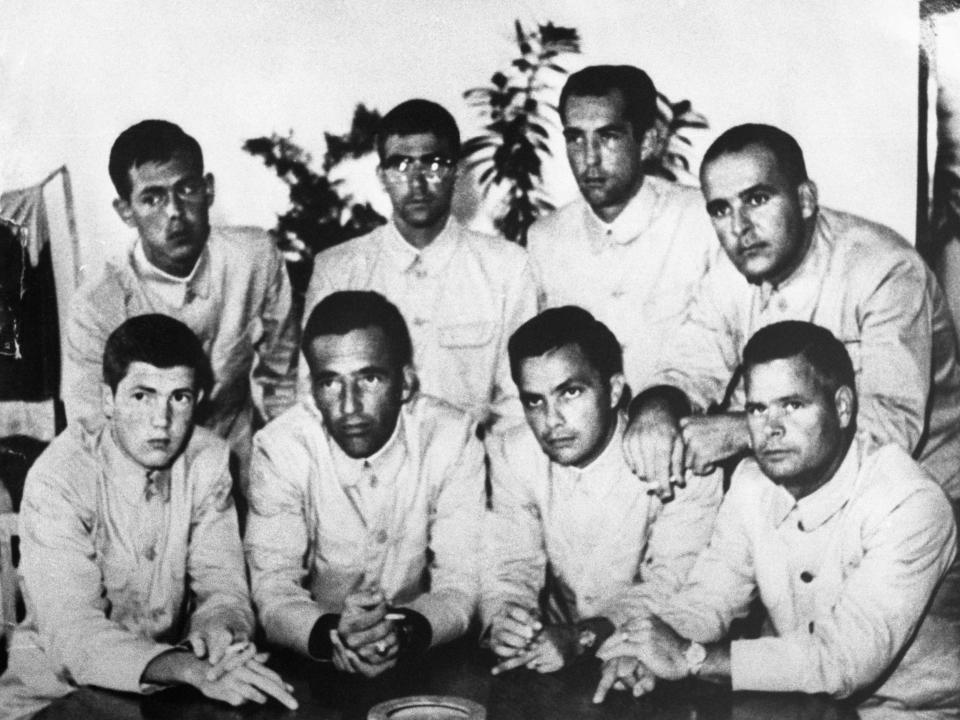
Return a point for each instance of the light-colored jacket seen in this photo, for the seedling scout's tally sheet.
(310, 541)
(608, 544)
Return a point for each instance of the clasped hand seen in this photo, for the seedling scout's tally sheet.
(519, 638)
(365, 640)
(638, 654)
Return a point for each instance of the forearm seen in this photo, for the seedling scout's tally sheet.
(175, 667)
(716, 666)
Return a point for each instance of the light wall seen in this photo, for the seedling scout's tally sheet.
(841, 76)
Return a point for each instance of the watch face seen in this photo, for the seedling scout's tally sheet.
(695, 656)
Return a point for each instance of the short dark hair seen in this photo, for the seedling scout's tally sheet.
(341, 312)
(818, 347)
(149, 141)
(419, 116)
(639, 93)
(781, 145)
(159, 340)
(567, 325)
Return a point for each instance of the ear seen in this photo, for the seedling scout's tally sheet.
(123, 209)
(211, 188)
(411, 383)
(199, 398)
(106, 400)
(650, 142)
(617, 383)
(844, 400)
(807, 193)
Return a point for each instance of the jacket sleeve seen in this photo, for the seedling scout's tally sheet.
(86, 335)
(520, 304)
(680, 532)
(215, 566)
(277, 546)
(454, 535)
(64, 589)
(278, 349)
(514, 557)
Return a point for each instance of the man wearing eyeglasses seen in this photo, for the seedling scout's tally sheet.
(461, 293)
(632, 249)
(228, 285)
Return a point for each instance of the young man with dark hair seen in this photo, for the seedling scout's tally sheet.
(638, 242)
(229, 285)
(365, 500)
(574, 545)
(461, 292)
(845, 542)
(126, 522)
(788, 258)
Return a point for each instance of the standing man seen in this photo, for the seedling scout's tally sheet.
(461, 293)
(788, 258)
(228, 285)
(574, 545)
(365, 500)
(845, 542)
(632, 249)
(131, 561)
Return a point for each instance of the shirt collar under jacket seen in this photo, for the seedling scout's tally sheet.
(385, 462)
(818, 507)
(606, 464)
(632, 221)
(196, 284)
(433, 258)
(130, 480)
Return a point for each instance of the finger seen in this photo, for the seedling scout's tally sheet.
(514, 662)
(218, 641)
(196, 642)
(371, 636)
(274, 688)
(607, 679)
(244, 689)
(524, 617)
(677, 466)
(232, 659)
(645, 683)
(264, 671)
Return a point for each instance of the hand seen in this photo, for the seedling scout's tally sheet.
(252, 681)
(211, 639)
(364, 627)
(653, 448)
(550, 650)
(653, 643)
(512, 630)
(347, 660)
(710, 439)
(624, 673)
(236, 655)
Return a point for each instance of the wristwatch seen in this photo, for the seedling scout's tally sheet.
(695, 655)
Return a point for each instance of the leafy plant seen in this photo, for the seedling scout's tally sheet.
(320, 216)
(514, 140)
(670, 160)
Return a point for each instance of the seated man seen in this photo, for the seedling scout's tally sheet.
(126, 522)
(845, 542)
(461, 292)
(570, 523)
(787, 258)
(365, 500)
(227, 284)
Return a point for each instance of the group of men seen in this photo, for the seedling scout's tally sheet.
(812, 343)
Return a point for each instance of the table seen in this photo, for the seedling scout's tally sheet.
(458, 669)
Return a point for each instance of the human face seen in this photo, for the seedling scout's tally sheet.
(797, 427)
(358, 388)
(569, 406)
(421, 199)
(169, 206)
(151, 412)
(758, 214)
(605, 156)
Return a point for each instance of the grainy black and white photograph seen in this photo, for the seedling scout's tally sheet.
(534, 359)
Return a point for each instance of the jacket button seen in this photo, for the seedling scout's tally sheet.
(806, 576)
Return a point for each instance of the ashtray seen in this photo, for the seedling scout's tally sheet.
(428, 707)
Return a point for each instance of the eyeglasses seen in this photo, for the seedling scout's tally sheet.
(193, 190)
(403, 168)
